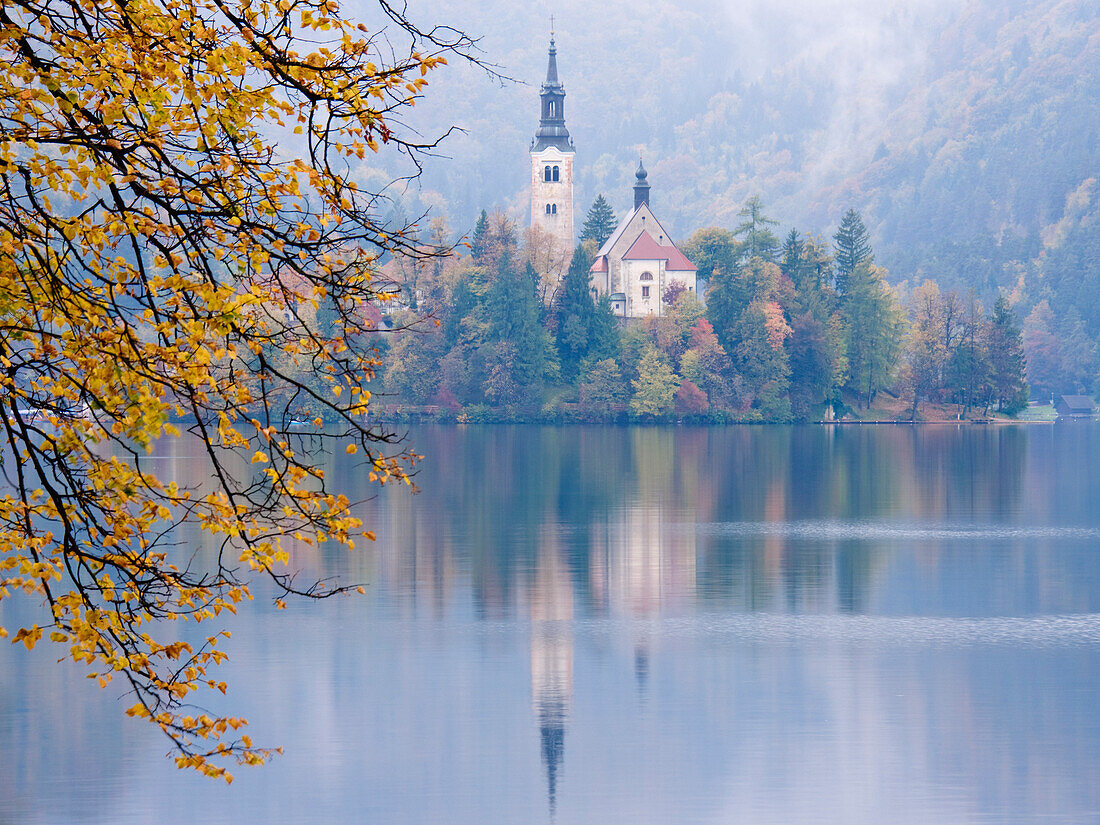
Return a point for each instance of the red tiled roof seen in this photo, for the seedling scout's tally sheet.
(678, 261)
(647, 249)
(599, 265)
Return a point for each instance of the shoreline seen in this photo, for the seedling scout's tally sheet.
(685, 422)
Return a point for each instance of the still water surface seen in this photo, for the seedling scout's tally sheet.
(603, 625)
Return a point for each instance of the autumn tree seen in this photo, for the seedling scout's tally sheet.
(762, 357)
(690, 400)
(548, 257)
(1043, 350)
(161, 261)
(709, 367)
(714, 251)
(969, 368)
(926, 348)
(655, 387)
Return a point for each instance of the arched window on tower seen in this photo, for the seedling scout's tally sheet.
(556, 174)
(547, 209)
(552, 107)
(646, 276)
(554, 209)
(546, 174)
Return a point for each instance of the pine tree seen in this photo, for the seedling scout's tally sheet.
(1006, 352)
(875, 325)
(759, 240)
(603, 337)
(479, 243)
(600, 223)
(853, 247)
(794, 257)
(576, 311)
(603, 389)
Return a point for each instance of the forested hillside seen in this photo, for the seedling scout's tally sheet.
(966, 132)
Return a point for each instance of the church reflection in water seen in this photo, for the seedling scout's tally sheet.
(622, 528)
(551, 608)
(637, 566)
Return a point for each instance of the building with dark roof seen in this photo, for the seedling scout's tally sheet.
(1075, 406)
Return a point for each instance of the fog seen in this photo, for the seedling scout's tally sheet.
(816, 105)
(673, 58)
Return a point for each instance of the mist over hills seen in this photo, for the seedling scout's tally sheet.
(945, 118)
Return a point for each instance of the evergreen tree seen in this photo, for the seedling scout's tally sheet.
(603, 337)
(512, 311)
(875, 325)
(809, 354)
(479, 243)
(603, 389)
(793, 261)
(853, 247)
(725, 303)
(1006, 354)
(1080, 360)
(759, 241)
(600, 223)
(576, 313)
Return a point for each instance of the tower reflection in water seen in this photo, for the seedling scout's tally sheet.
(551, 607)
(638, 567)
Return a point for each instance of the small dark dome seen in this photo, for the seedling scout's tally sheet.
(641, 173)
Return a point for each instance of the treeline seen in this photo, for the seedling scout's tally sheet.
(792, 329)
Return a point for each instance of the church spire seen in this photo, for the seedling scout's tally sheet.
(641, 186)
(552, 131)
(552, 64)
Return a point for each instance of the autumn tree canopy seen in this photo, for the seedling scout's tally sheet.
(167, 270)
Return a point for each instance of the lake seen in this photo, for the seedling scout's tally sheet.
(647, 625)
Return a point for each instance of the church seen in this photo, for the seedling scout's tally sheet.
(639, 262)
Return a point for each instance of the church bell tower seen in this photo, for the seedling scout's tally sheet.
(552, 154)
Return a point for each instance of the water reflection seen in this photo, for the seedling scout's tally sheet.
(663, 625)
(551, 600)
(666, 534)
